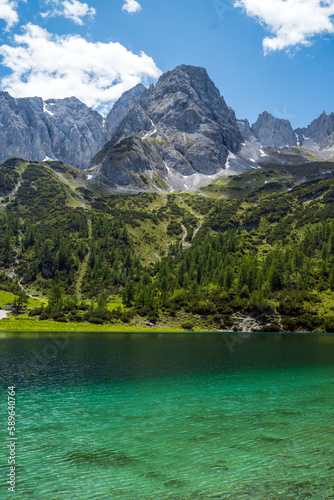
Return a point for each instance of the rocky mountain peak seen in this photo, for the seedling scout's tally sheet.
(63, 129)
(320, 128)
(121, 107)
(247, 133)
(181, 125)
(175, 134)
(189, 80)
(186, 99)
(273, 132)
(328, 143)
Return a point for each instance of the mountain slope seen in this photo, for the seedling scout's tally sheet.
(256, 254)
(179, 128)
(273, 132)
(178, 135)
(34, 129)
(121, 107)
(317, 131)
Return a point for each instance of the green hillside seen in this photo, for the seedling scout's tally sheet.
(254, 251)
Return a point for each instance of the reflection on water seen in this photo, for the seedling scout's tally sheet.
(170, 416)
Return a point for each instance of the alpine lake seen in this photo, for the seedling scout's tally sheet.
(169, 416)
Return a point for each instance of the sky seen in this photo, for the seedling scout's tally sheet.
(273, 55)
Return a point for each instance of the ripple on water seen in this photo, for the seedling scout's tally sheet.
(136, 421)
(101, 458)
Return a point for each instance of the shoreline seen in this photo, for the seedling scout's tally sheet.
(241, 336)
(26, 325)
(49, 326)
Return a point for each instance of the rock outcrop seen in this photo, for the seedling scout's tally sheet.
(273, 132)
(328, 143)
(247, 133)
(62, 129)
(318, 130)
(178, 134)
(182, 124)
(121, 107)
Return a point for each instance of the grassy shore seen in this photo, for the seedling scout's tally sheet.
(12, 324)
(24, 323)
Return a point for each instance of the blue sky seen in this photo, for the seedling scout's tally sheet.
(275, 55)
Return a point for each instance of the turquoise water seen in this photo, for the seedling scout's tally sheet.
(177, 417)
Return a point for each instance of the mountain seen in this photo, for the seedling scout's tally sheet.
(273, 132)
(249, 252)
(247, 132)
(177, 135)
(179, 129)
(318, 130)
(328, 143)
(121, 107)
(64, 129)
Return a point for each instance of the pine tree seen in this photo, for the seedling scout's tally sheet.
(128, 293)
(56, 296)
(331, 279)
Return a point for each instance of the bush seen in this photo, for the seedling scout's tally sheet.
(35, 311)
(57, 315)
(63, 319)
(174, 228)
(264, 307)
(153, 317)
(329, 325)
(309, 321)
(96, 321)
(289, 324)
(205, 308)
(187, 325)
(227, 320)
(288, 307)
(77, 317)
(272, 328)
(224, 309)
(216, 318)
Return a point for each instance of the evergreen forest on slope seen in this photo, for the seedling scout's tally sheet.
(253, 251)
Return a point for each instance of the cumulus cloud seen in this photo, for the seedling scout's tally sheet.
(49, 65)
(131, 6)
(71, 9)
(8, 12)
(292, 22)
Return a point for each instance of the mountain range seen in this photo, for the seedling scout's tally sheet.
(252, 250)
(177, 135)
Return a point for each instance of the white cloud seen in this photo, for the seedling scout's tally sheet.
(49, 65)
(8, 12)
(71, 9)
(131, 6)
(75, 10)
(292, 22)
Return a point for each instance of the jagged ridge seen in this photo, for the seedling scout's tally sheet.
(179, 127)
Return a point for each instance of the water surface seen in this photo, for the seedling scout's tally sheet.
(166, 416)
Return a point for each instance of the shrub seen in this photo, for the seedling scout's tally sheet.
(289, 324)
(224, 309)
(187, 325)
(329, 325)
(272, 328)
(216, 318)
(96, 321)
(264, 307)
(153, 317)
(205, 308)
(63, 319)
